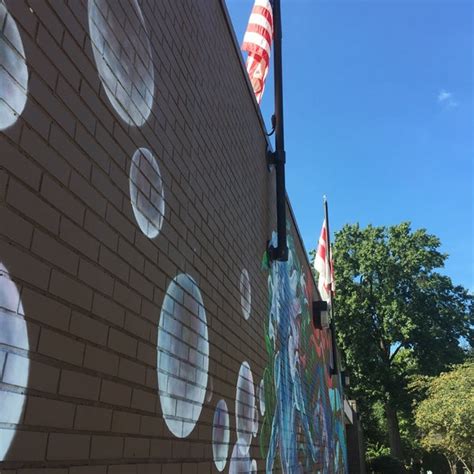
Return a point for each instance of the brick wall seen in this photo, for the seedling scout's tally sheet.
(138, 330)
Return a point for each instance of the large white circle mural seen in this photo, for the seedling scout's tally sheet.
(183, 355)
(245, 407)
(245, 293)
(122, 54)
(13, 70)
(13, 333)
(146, 192)
(220, 435)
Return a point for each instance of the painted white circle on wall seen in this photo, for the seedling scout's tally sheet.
(220, 435)
(13, 333)
(183, 355)
(245, 293)
(210, 389)
(13, 70)
(239, 462)
(245, 407)
(122, 54)
(147, 194)
(261, 397)
(255, 423)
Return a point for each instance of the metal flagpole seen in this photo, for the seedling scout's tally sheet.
(334, 369)
(279, 158)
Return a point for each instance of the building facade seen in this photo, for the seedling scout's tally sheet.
(142, 329)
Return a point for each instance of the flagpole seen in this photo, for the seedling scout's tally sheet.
(279, 157)
(334, 369)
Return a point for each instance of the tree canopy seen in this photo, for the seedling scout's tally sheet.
(395, 314)
(446, 416)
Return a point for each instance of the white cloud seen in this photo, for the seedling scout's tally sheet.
(444, 95)
(446, 98)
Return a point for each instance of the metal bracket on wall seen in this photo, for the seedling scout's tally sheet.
(274, 157)
(270, 155)
(345, 378)
(320, 314)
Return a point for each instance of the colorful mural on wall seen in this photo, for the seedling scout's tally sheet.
(303, 425)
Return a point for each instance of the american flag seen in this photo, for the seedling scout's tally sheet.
(323, 266)
(258, 42)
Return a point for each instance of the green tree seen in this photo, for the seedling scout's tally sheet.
(446, 416)
(396, 316)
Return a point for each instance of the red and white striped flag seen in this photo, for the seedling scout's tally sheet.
(258, 42)
(323, 266)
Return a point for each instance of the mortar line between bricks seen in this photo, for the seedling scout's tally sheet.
(51, 429)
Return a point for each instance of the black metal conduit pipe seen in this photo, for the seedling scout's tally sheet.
(281, 251)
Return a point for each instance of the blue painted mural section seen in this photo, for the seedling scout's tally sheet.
(303, 426)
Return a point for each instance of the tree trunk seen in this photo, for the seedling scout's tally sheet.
(452, 465)
(393, 431)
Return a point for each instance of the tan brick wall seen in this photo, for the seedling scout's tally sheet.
(79, 390)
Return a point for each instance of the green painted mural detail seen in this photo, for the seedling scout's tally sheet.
(303, 419)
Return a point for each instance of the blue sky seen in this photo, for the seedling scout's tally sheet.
(379, 116)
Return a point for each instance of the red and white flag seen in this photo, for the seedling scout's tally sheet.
(258, 43)
(323, 266)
